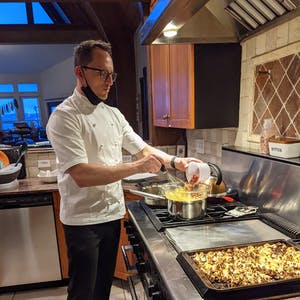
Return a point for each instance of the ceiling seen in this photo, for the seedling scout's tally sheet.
(33, 48)
(17, 59)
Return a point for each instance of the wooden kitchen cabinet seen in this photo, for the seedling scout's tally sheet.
(195, 86)
(62, 247)
(171, 69)
(120, 271)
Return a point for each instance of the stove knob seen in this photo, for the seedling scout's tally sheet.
(151, 289)
(156, 295)
(132, 239)
(136, 249)
(141, 267)
(128, 227)
(153, 292)
(129, 230)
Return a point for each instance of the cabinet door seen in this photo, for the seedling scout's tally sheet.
(160, 84)
(62, 247)
(182, 86)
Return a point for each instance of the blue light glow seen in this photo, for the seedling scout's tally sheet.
(6, 87)
(13, 13)
(39, 14)
(27, 87)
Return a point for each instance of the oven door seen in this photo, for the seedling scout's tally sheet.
(135, 284)
(144, 282)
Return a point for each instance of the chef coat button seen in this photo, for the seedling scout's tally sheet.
(94, 125)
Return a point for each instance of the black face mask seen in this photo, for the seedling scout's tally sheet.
(93, 98)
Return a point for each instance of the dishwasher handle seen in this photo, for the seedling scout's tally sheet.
(28, 200)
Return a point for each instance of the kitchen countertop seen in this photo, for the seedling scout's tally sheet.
(30, 185)
(35, 185)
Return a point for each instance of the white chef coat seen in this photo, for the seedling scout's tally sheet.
(81, 132)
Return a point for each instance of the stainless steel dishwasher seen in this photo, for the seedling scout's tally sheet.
(28, 243)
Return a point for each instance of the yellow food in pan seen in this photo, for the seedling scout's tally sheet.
(181, 194)
(250, 265)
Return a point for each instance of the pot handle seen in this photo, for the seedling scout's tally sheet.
(217, 171)
(144, 194)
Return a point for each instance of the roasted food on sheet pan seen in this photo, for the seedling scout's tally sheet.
(249, 265)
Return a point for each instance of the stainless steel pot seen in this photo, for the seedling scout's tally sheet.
(187, 210)
(187, 204)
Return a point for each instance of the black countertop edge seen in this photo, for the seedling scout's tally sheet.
(248, 151)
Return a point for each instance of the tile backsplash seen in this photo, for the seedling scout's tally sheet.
(277, 95)
(32, 157)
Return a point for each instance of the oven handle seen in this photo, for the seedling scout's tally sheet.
(130, 268)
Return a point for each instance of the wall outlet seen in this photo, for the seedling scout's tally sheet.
(44, 163)
(199, 146)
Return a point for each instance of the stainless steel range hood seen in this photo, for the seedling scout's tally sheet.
(214, 21)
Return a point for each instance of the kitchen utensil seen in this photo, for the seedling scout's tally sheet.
(186, 204)
(171, 178)
(150, 198)
(22, 149)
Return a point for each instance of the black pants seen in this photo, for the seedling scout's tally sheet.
(92, 252)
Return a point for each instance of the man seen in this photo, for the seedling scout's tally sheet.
(88, 136)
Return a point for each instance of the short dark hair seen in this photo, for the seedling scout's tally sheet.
(83, 52)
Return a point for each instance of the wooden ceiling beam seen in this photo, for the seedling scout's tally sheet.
(86, 6)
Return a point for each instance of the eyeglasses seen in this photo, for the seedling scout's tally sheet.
(104, 75)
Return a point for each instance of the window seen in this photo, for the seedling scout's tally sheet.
(6, 88)
(31, 111)
(42, 12)
(39, 14)
(13, 13)
(8, 113)
(19, 102)
(27, 87)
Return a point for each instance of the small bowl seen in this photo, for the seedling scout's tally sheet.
(48, 176)
(10, 173)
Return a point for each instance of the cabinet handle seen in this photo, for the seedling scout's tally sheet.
(165, 117)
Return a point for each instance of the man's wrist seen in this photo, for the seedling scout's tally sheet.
(172, 162)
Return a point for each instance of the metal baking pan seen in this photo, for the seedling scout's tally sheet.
(211, 290)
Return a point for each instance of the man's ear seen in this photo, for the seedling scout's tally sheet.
(78, 72)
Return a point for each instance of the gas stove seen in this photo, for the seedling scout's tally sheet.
(215, 213)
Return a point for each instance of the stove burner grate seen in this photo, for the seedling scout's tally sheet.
(161, 219)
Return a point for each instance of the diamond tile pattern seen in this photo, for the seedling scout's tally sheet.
(277, 95)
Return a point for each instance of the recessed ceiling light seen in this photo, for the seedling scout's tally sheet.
(170, 33)
(170, 30)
